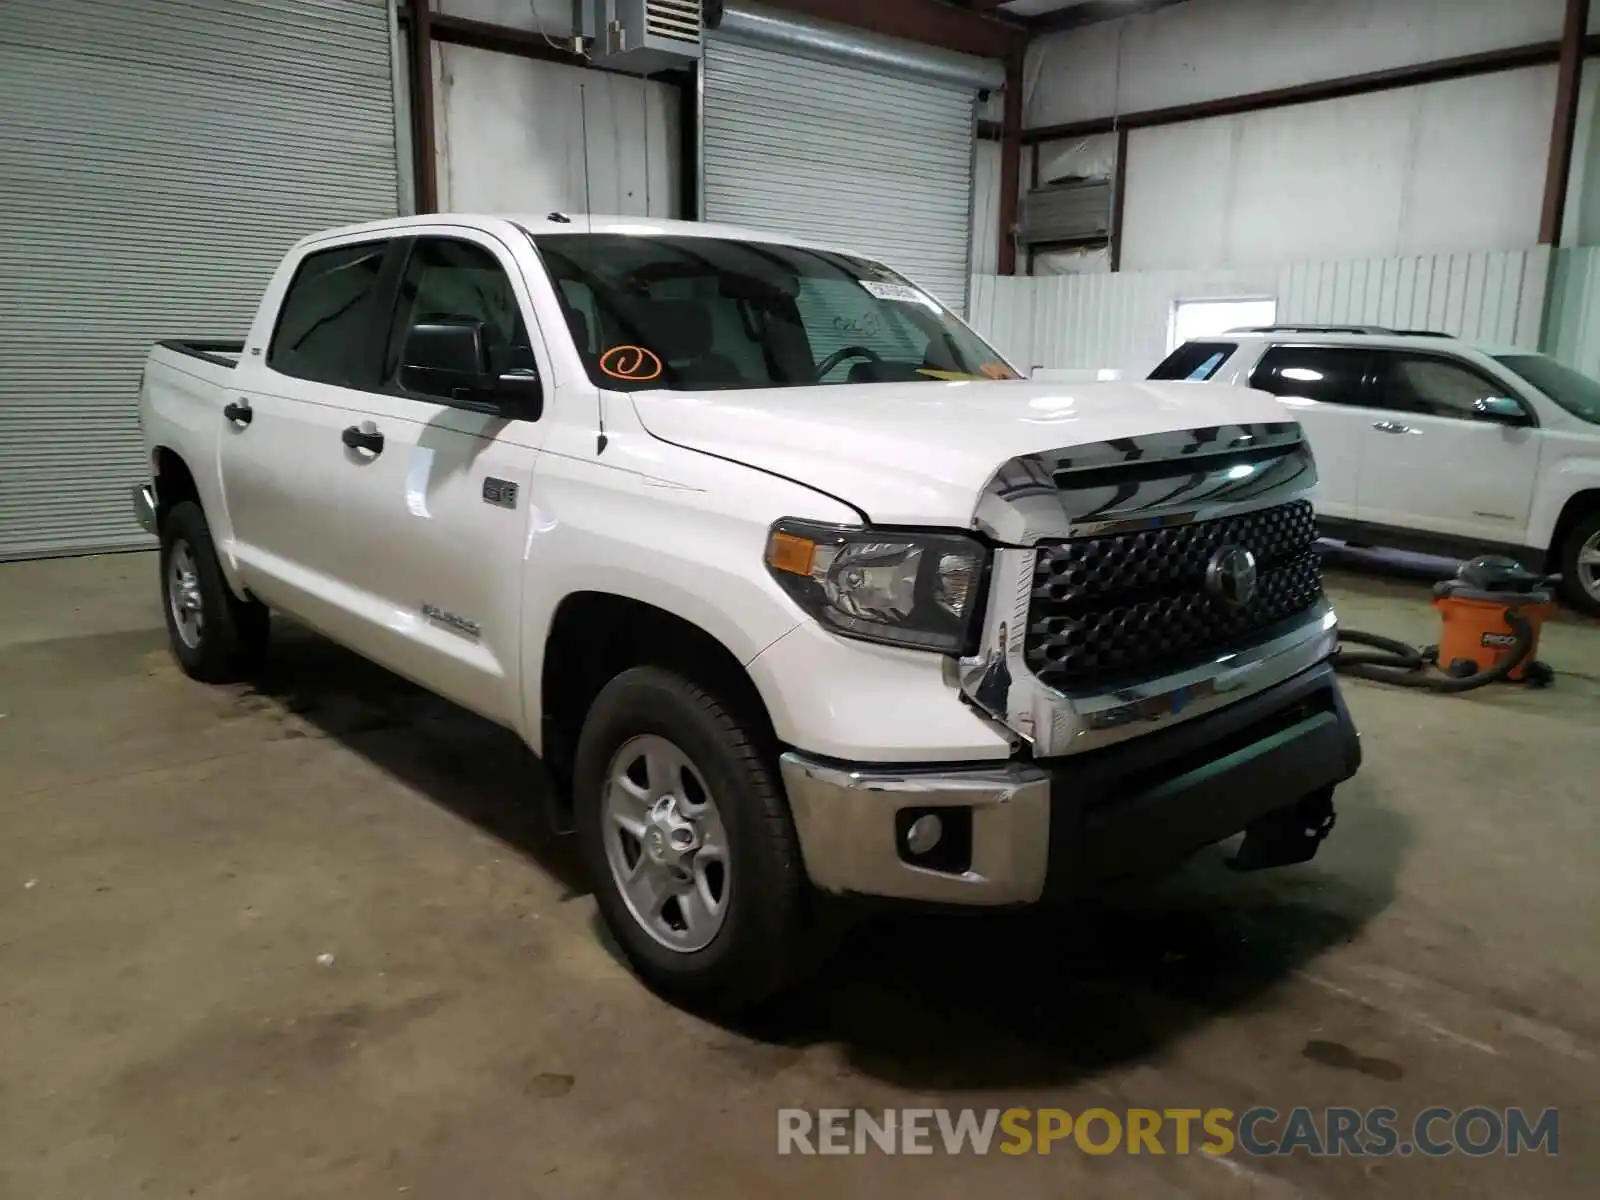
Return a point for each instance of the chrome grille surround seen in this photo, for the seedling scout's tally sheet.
(1133, 486)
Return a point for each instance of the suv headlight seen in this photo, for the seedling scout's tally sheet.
(907, 589)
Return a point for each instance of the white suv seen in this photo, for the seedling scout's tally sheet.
(1428, 443)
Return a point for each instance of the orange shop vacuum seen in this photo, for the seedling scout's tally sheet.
(1493, 610)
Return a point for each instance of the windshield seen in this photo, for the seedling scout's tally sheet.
(688, 313)
(1572, 390)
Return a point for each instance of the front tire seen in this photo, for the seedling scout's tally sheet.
(684, 831)
(1580, 565)
(215, 636)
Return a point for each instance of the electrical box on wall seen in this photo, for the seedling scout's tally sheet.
(641, 36)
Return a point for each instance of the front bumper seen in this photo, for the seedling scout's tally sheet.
(1020, 832)
(144, 507)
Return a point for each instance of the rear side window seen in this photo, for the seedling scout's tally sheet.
(1195, 360)
(324, 324)
(1327, 374)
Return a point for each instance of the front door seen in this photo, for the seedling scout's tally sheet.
(437, 500)
(1431, 464)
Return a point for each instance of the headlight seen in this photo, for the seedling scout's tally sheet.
(907, 589)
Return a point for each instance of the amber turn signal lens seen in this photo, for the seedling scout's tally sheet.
(789, 552)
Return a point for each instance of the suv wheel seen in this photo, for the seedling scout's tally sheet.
(215, 636)
(688, 843)
(1580, 565)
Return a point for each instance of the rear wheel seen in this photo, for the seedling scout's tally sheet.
(215, 636)
(1580, 565)
(688, 842)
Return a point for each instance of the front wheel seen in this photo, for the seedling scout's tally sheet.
(1580, 565)
(215, 636)
(688, 842)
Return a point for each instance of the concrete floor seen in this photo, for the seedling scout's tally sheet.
(303, 940)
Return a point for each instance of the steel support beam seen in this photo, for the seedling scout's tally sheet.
(1093, 12)
(1564, 125)
(1010, 167)
(924, 21)
(1462, 67)
(1119, 193)
(418, 22)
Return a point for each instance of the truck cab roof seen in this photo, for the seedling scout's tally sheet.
(562, 223)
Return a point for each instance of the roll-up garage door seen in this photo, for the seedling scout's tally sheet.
(157, 159)
(842, 153)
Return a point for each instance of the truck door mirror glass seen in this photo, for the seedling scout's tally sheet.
(443, 356)
(1501, 410)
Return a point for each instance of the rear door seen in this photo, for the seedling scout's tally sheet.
(1431, 464)
(281, 457)
(1324, 388)
(438, 513)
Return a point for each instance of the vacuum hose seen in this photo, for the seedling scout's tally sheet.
(1408, 666)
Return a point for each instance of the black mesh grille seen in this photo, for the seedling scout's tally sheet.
(1136, 604)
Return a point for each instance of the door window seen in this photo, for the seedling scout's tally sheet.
(324, 323)
(1328, 374)
(1431, 386)
(446, 280)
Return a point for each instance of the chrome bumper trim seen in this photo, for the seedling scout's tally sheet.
(845, 819)
(144, 507)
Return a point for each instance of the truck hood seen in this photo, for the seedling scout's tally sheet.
(920, 453)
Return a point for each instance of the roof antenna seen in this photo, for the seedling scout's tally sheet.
(601, 441)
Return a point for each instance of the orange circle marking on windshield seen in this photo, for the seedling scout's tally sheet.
(633, 363)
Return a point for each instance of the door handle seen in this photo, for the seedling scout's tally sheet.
(1393, 427)
(239, 412)
(358, 439)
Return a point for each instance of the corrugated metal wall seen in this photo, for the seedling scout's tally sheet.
(854, 158)
(1001, 307)
(157, 160)
(1122, 321)
(1574, 329)
(1488, 297)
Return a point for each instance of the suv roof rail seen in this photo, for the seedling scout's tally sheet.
(1371, 330)
(1312, 329)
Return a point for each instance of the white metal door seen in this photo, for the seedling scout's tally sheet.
(843, 155)
(158, 159)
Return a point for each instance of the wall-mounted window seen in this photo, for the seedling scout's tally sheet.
(1210, 318)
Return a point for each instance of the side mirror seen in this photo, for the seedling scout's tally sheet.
(448, 357)
(519, 394)
(442, 356)
(1500, 410)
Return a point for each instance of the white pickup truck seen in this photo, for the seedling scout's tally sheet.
(792, 584)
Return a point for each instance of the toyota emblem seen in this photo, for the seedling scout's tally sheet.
(1231, 576)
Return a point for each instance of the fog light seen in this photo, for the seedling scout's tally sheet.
(924, 834)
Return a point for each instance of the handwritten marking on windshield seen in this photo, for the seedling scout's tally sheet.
(633, 363)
